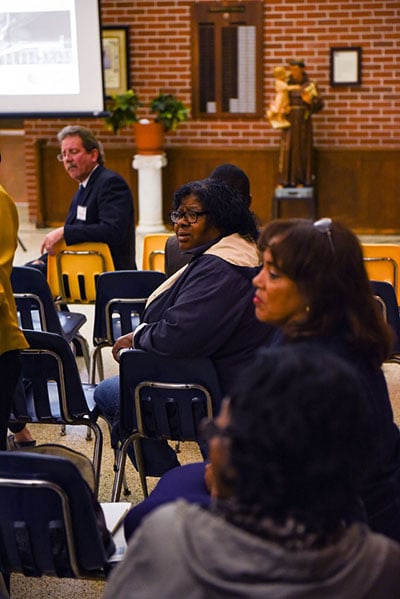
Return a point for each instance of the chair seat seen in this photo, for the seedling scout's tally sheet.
(70, 323)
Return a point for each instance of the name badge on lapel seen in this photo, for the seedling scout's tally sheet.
(81, 213)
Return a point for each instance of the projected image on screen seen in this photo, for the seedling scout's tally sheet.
(38, 54)
(50, 57)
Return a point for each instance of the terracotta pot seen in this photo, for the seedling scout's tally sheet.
(149, 137)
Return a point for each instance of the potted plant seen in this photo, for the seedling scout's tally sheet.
(149, 133)
(169, 113)
(122, 109)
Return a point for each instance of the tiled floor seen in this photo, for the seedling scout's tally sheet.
(30, 588)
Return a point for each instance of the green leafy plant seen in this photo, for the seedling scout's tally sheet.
(122, 109)
(169, 111)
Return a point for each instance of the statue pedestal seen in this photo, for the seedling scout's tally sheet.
(289, 194)
(150, 192)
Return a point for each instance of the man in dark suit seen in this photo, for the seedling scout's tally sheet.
(102, 208)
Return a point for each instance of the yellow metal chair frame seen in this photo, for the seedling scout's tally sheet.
(382, 262)
(72, 272)
(154, 251)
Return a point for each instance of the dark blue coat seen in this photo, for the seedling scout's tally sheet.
(109, 217)
(208, 311)
(381, 491)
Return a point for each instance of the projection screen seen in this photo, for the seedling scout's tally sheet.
(50, 58)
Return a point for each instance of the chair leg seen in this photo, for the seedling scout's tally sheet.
(140, 465)
(96, 363)
(119, 473)
(120, 467)
(85, 350)
(126, 490)
(97, 450)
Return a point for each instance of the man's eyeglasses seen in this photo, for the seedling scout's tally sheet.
(66, 155)
(324, 225)
(190, 216)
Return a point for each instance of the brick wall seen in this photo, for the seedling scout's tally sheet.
(159, 52)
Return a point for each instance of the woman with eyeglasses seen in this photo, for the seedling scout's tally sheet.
(206, 308)
(313, 286)
(289, 452)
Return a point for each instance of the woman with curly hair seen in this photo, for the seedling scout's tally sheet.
(205, 309)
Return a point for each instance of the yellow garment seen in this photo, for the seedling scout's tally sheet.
(11, 337)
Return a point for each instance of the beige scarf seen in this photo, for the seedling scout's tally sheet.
(233, 249)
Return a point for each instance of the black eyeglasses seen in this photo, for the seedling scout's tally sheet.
(209, 428)
(324, 225)
(190, 216)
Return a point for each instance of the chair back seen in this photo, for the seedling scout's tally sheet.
(161, 398)
(53, 388)
(73, 271)
(153, 257)
(35, 306)
(50, 390)
(385, 293)
(171, 395)
(48, 523)
(36, 309)
(382, 262)
(120, 302)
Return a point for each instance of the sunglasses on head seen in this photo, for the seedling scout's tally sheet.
(324, 225)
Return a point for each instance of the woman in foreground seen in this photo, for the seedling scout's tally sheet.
(289, 452)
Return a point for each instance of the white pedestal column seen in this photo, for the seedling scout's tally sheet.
(150, 192)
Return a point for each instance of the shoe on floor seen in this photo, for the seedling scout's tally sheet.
(12, 444)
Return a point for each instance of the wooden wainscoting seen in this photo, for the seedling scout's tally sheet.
(360, 187)
(189, 164)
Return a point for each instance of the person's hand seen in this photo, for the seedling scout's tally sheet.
(209, 479)
(124, 342)
(306, 97)
(50, 241)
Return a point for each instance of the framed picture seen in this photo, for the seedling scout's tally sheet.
(115, 59)
(345, 66)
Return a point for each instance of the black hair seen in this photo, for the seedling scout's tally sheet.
(224, 204)
(235, 177)
(301, 442)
